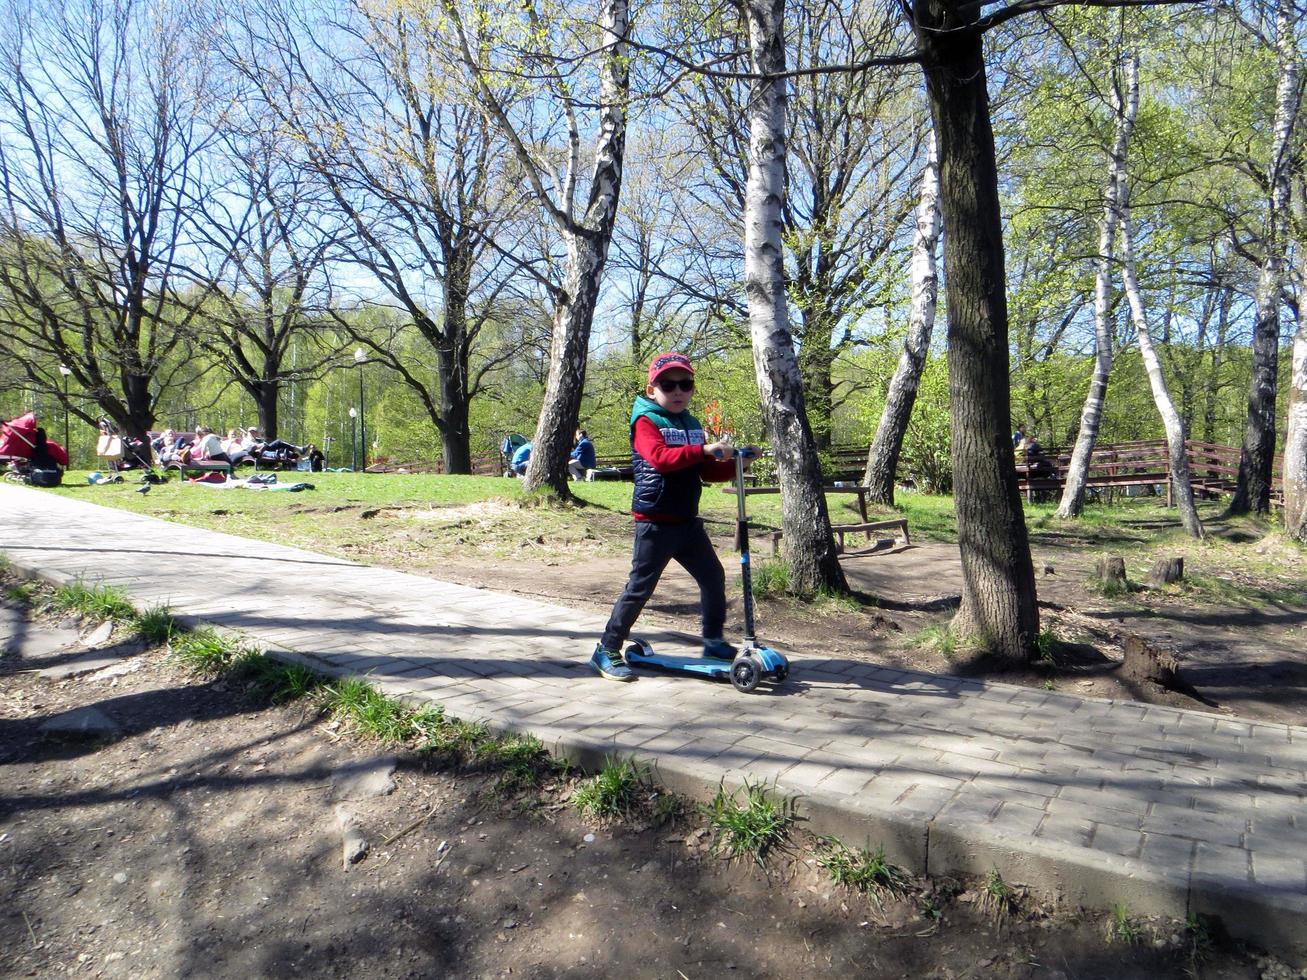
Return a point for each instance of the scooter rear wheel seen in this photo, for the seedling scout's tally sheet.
(746, 672)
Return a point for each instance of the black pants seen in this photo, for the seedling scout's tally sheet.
(655, 546)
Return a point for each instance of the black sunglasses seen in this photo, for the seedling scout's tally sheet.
(667, 387)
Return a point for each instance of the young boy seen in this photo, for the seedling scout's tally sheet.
(671, 455)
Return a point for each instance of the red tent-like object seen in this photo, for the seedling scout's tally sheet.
(18, 439)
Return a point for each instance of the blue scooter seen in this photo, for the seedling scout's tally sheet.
(754, 663)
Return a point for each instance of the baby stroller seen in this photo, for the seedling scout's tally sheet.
(511, 444)
(121, 452)
(29, 456)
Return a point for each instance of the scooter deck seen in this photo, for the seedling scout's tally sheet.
(670, 663)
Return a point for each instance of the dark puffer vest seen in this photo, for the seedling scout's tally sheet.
(674, 494)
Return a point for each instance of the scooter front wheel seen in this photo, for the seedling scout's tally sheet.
(746, 672)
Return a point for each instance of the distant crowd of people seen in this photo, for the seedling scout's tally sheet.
(241, 445)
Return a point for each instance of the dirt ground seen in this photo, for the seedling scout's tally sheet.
(201, 836)
(1243, 652)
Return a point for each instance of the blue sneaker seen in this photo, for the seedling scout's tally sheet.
(719, 649)
(610, 665)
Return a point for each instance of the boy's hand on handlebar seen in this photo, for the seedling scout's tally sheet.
(719, 450)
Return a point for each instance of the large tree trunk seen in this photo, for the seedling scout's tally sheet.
(1181, 486)
(999, 611)
(816, 360)
(811, 554)
(552, 444)
(883, 457)
(1253, 492)
(452, 366)
(587, 250)
(1124, 107)
(265, 399)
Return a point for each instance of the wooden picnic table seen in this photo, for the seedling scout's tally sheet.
(860, 490)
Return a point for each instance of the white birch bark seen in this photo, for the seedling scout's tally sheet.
(1125, 106)
(883, 457)
(1258, 452)
(810, 548)
(1179, 461)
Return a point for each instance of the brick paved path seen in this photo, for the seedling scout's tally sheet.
(1099, 801)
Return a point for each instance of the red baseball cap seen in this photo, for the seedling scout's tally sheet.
(667, 362)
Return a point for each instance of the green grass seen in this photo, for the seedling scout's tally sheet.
(750, 822)
(97, 602)
(614, 792)
(156, 624)
(23, 592)
(521, 760)
(206, 651)
(937, 637)
(367, 711)
(770, 578)
(997, 897)
(862, 870)
(1121, 926)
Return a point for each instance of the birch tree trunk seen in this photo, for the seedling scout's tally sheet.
(999, 611)
(1124, 108)
(883, 457)
(1179, 461)
(587, 250)
(1253, 492)
(810, 547)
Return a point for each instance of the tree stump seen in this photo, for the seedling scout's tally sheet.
(1166, 570)
(1146, 662)
(1110, 571)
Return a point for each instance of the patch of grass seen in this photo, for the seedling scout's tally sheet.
(450, 736)
(23, 592)
(205, 651)
(156, 624)
(938, 638)
(997, 898)
(614, 792)
(98, 602)
(276, 681)
(367, 711)
(771, 579)
(749, 822)
(521, 759)
(864, 871)
(1198, 940)
(1121, 927)
(1046, 647)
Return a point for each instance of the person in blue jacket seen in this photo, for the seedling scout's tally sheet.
(583, 456)
(520, 458)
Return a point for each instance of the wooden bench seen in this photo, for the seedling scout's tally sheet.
(860, 490)
(200, 466)
(899, 524)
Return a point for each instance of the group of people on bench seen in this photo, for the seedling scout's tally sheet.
(240, 446)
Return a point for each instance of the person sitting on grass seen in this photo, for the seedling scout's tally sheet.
(583, 456)
(671, 456)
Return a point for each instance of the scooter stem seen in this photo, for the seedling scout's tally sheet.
(742, 542)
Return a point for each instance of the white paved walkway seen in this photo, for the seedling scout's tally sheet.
(1100, 801)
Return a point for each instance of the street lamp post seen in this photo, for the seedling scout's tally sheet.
(353, 440)
(65, 370)
(360, 359)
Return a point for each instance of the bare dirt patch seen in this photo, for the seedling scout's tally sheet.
(201, 839)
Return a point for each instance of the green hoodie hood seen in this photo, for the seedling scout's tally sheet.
(645, 405)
